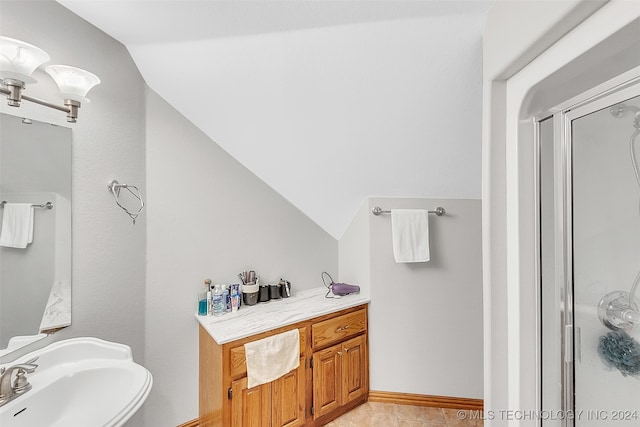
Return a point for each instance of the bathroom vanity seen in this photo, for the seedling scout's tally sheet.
(333, 376)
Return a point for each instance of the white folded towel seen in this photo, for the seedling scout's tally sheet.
(270, 358)
(17, 225)
(410, 234)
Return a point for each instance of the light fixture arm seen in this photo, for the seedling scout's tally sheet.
(13, 89)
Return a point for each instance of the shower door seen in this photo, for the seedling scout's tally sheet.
(590, 262)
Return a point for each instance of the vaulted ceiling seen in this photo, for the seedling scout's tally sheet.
(329, 102)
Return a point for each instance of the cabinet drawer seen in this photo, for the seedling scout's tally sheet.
(238, 359)
(337, 329)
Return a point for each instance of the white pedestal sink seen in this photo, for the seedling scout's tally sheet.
(80, 382)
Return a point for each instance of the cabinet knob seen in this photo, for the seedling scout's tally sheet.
(339, 353)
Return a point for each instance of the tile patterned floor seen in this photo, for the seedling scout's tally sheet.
(378, 414)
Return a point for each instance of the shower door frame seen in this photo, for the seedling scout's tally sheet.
(614, 91)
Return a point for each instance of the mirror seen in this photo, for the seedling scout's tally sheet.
(35, 282)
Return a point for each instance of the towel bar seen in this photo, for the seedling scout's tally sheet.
(47, 205)
(439, 211)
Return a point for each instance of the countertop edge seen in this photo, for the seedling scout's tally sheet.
(346, 302)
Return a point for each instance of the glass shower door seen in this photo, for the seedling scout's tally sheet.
(604, 207)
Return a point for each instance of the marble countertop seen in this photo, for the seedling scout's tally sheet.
(262, 317)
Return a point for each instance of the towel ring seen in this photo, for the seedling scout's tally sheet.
(114, 188)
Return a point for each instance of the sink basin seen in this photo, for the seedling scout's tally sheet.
(83, 382)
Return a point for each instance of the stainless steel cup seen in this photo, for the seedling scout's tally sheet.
(264, 293)
(274, 291)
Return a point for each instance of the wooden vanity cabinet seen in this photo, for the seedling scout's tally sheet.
(251, 407)
(280, 403)
(333, 376)
(341, 371)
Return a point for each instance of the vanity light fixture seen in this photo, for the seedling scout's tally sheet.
(18, 61)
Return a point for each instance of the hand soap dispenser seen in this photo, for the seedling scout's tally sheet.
(202, 301)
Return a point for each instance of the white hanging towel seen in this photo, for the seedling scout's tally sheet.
(17, 225)
(410, 234)
(270, 358)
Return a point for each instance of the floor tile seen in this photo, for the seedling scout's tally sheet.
(392, 415)
(421, 413)
(459, 417)
(410, 423)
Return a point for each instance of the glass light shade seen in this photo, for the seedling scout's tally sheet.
(18, 60)
(74, 83)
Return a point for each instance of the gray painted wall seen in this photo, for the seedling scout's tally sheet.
(354, 251)
(425, 319)
(209, 217)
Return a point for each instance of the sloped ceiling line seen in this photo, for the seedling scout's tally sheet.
(327, 102)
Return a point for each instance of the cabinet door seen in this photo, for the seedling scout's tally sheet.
(250, 407)
(326, 380)
(288, 398)
(354, 369)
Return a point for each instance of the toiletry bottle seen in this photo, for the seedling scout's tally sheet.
(218, 303)
(207, 294)
(235, 297)
(226, 297)
(203, 303)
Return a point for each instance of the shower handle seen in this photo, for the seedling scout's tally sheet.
(577, 344)
(568, 343)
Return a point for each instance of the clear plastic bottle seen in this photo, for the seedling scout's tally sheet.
(218, 302)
